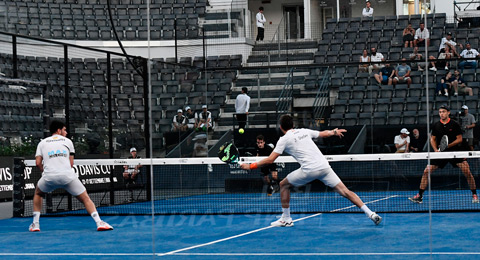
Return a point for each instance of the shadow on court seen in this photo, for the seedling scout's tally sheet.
(325, 236)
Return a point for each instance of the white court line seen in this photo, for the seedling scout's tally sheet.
(75, 254)
(327, 254)
(260, 229)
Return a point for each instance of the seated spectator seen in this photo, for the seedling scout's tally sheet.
(445, 84)
(131, 171)
(447, 41)
(408, 36)
(416, 56)
(368, 10)
(375, 57)
(417, 142)
(190, 118)
(179, 122)
(442, 59)
(421, 35)
(366, 59)
(402, 73)
(200, 147)
(203, 119)
(385, 76)
(402, 141)
(468, 53)
(458, 84)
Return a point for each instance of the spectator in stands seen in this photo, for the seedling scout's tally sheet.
(468, 53)
(416, 56)
(402, 73)
(368, 10)
(179, 122)
(467, 122)
(442, 59)
(190, 118)
(375, 57)
(131, 171)
(447, 41)
(421, 35)
(365, 59)
(242, 105)
(204, 119)
(408, 36)
(445, 84)
(402, 141)
(385, 76)
(459, 86)
(416, 143)
(260, 24)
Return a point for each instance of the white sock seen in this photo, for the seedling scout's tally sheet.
(286, 212)
(36, 217)
(96, 217)
(367, 211)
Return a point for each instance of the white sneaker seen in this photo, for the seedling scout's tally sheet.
(282, 222)
(455, 94)
(103, 226)
(433, 69)
(376, 218)
(420, 69)
(34, 227)
(446, 68)
(446, 94)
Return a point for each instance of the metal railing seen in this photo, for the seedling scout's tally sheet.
(322, 99)
(285, 100)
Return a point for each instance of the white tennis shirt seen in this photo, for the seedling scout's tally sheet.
(299, 144)
(55, 151)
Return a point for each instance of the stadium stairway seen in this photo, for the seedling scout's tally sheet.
(265, 82)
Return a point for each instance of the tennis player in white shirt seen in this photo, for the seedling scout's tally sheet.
(313, 165)
(54, 157)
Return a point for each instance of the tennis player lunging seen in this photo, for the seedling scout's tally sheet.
(54, 157)
(452, 129)
(313, 165)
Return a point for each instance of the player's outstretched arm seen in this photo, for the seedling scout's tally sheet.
(269, 160)
(39, 162)
(334, 132)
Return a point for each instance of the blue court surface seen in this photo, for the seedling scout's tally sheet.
(314, 236)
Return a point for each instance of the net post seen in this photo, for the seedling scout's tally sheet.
(18, 187)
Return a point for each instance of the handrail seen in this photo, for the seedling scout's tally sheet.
(285, 100)
(322, 99)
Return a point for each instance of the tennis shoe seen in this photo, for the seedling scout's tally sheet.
(282, 222)
(376, 218)
(475, 198)
(416, 199)
(34, 227)
(103, 226)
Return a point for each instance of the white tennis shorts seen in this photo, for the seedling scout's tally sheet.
(300, 178)
(72, 185)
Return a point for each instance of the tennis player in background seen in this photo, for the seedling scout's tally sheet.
(264, 149)
(449, 127)
(54, 157)
(313, 165)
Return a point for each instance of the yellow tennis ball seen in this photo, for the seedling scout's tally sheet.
(241, 131)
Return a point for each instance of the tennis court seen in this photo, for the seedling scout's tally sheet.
(326, 236)
(205, 209)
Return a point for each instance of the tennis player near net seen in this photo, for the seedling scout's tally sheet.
(264, 149)
(449, 127)
(54, 157)
(313, 165)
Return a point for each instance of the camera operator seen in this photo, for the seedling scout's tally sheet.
(468, 123)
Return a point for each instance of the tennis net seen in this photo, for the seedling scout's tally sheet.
(209, 186)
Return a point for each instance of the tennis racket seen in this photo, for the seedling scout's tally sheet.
(443, 143)
(228, 153)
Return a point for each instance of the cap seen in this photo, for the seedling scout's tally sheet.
(444, 106)
(449, 33)
(133, 149)
(179, 111)
(404, 131)
(204, 106)
(464, 107)
(187, 108)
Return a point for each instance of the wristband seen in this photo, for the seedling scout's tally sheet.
(334, 131)
(253, 166)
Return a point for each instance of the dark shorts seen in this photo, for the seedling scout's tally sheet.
(407, 38)
(384, 79)
(442, 162)
(267, 169)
